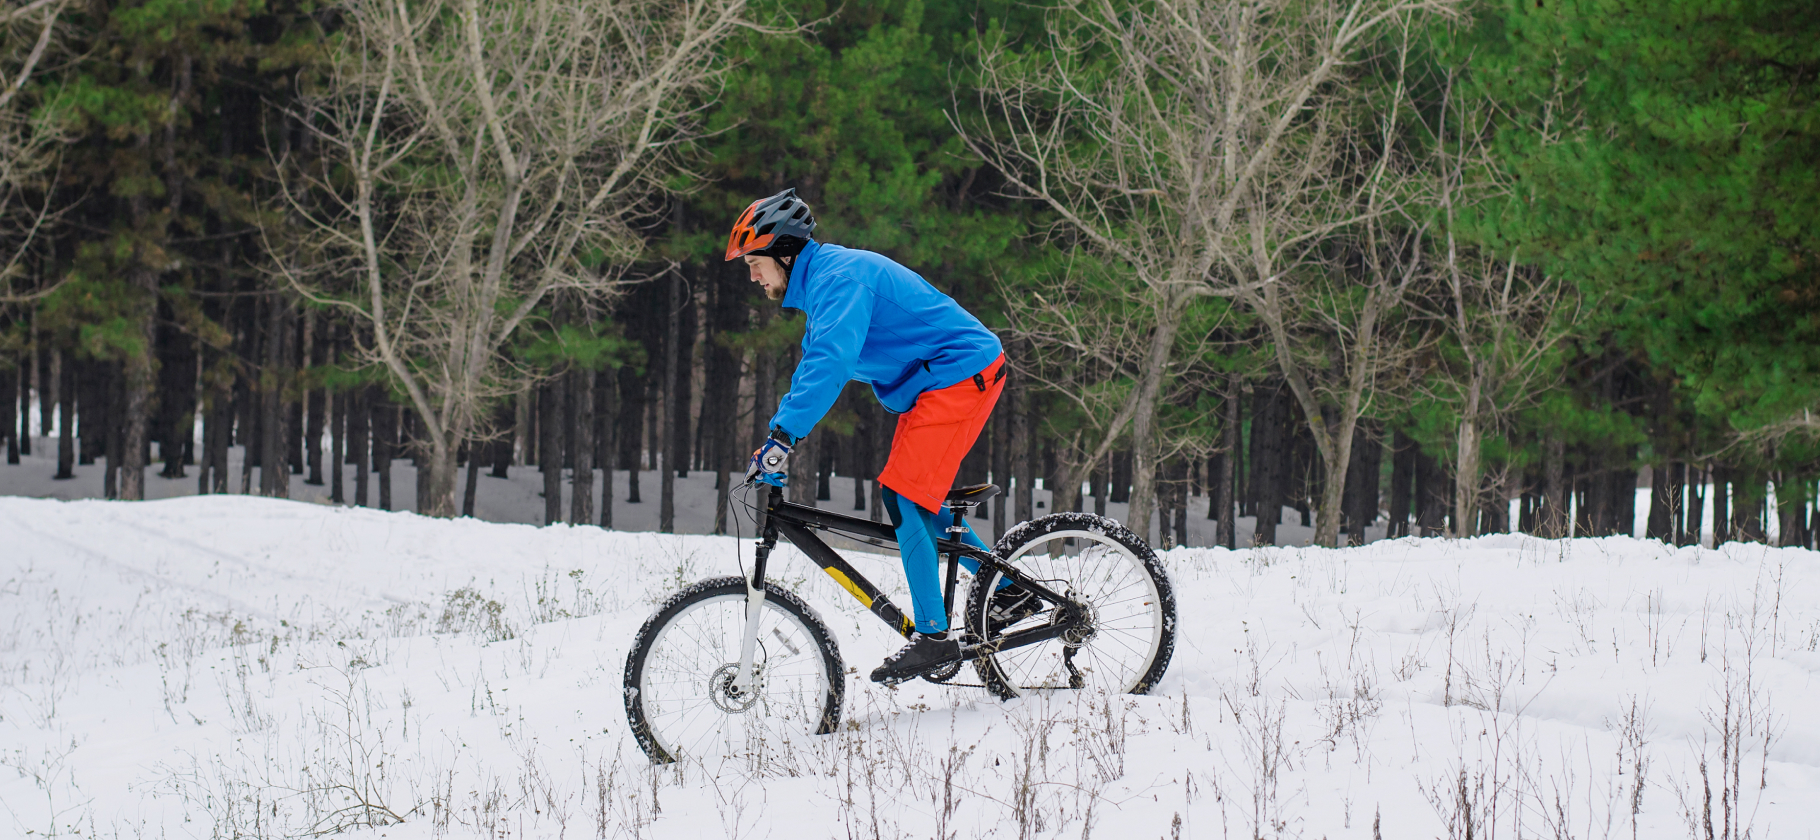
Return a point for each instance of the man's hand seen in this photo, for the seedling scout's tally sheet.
(767, 464)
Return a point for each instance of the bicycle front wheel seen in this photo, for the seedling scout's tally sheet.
(1119, 585)
(680, 698)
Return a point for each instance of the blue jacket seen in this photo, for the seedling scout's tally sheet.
(873, 320)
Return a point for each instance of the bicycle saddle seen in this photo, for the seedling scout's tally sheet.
(971, 495)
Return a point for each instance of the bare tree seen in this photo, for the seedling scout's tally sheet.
(1161, 135)
(1082, 339)
(1505, 322)
(1336, 328)
(478, 155)
(28, 35)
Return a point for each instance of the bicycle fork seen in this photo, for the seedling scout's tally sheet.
(744, 679)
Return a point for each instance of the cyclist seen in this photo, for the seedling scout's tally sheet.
(928, 361)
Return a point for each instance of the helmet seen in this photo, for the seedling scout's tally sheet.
(776, 226)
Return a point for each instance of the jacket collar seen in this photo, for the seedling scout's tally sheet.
(797, 295)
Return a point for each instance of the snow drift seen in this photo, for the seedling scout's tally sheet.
(230, 666)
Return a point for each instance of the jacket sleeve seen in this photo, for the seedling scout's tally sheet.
(837, 331)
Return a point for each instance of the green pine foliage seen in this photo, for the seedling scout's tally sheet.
(1668, 161)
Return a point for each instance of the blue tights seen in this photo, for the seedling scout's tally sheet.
(917, 531)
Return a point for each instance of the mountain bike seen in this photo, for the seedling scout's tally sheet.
(738, 666)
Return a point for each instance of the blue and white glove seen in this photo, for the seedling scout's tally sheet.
(767, 464)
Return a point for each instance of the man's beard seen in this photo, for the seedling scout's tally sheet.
(778, 293)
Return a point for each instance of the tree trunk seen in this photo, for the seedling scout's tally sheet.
(1623, 501)
(1599, 497)
(663, 434)
(499, 448)
(211, 429)
(385, 447)
(29, 383)
(805, 468)
(824, 469)
(1353, 504)
(1224, 486)
(115, 440)
(274, 475)
(1181, 503)
(1144, 448)
(1466, 472)
(581, 396)
(438, 469)
(138, 406)
(1431, 495)
(1065, 495)
(176, 403)
(856, 469)
(338, 445)
(1268, 427)
(521, 440)
(66, 423)
(9, 403)
(1694, 531)
(471, 488)
(1336, 462)
(607, 423)
(1402, 477)
(881, 433)
(1554, 487)
(360, 439)
(1660, 524)
(1747, 507)
(313, 411)
(1001, 458)
(549, 448)
(1102, 485)
(631, 429)
(719, 423)
(1022, 473)
(50, 390)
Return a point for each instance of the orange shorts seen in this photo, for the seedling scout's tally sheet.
(936, 433)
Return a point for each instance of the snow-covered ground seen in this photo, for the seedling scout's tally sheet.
(233, 666)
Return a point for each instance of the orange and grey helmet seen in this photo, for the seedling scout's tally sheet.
(776, 226)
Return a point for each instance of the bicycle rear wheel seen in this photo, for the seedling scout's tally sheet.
(1129, 636)
(679, 695)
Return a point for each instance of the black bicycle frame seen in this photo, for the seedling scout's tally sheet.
(798, 524)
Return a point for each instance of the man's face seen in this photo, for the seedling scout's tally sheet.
(769, 273)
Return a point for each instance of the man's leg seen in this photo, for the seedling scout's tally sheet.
(917, 531)
(916, 534)
(926, 452)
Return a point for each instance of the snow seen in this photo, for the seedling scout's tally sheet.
(229, 665)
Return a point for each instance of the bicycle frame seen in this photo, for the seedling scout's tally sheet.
(798, 524)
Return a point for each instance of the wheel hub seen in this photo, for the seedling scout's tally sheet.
(727, 697)
(1084, 620)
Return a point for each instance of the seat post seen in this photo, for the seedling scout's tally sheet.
(954, 565)
(956, 529)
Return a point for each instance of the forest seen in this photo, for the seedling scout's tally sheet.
(1403, 261)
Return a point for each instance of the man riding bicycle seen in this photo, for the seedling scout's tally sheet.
(928, 361)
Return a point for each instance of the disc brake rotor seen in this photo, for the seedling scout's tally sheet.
(725, 696)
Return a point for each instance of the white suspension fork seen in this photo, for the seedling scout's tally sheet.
(748, 643)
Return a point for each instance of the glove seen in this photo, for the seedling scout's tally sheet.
(767, 464)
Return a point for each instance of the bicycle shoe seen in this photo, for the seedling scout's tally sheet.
(1009, 606)
(925, 652)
